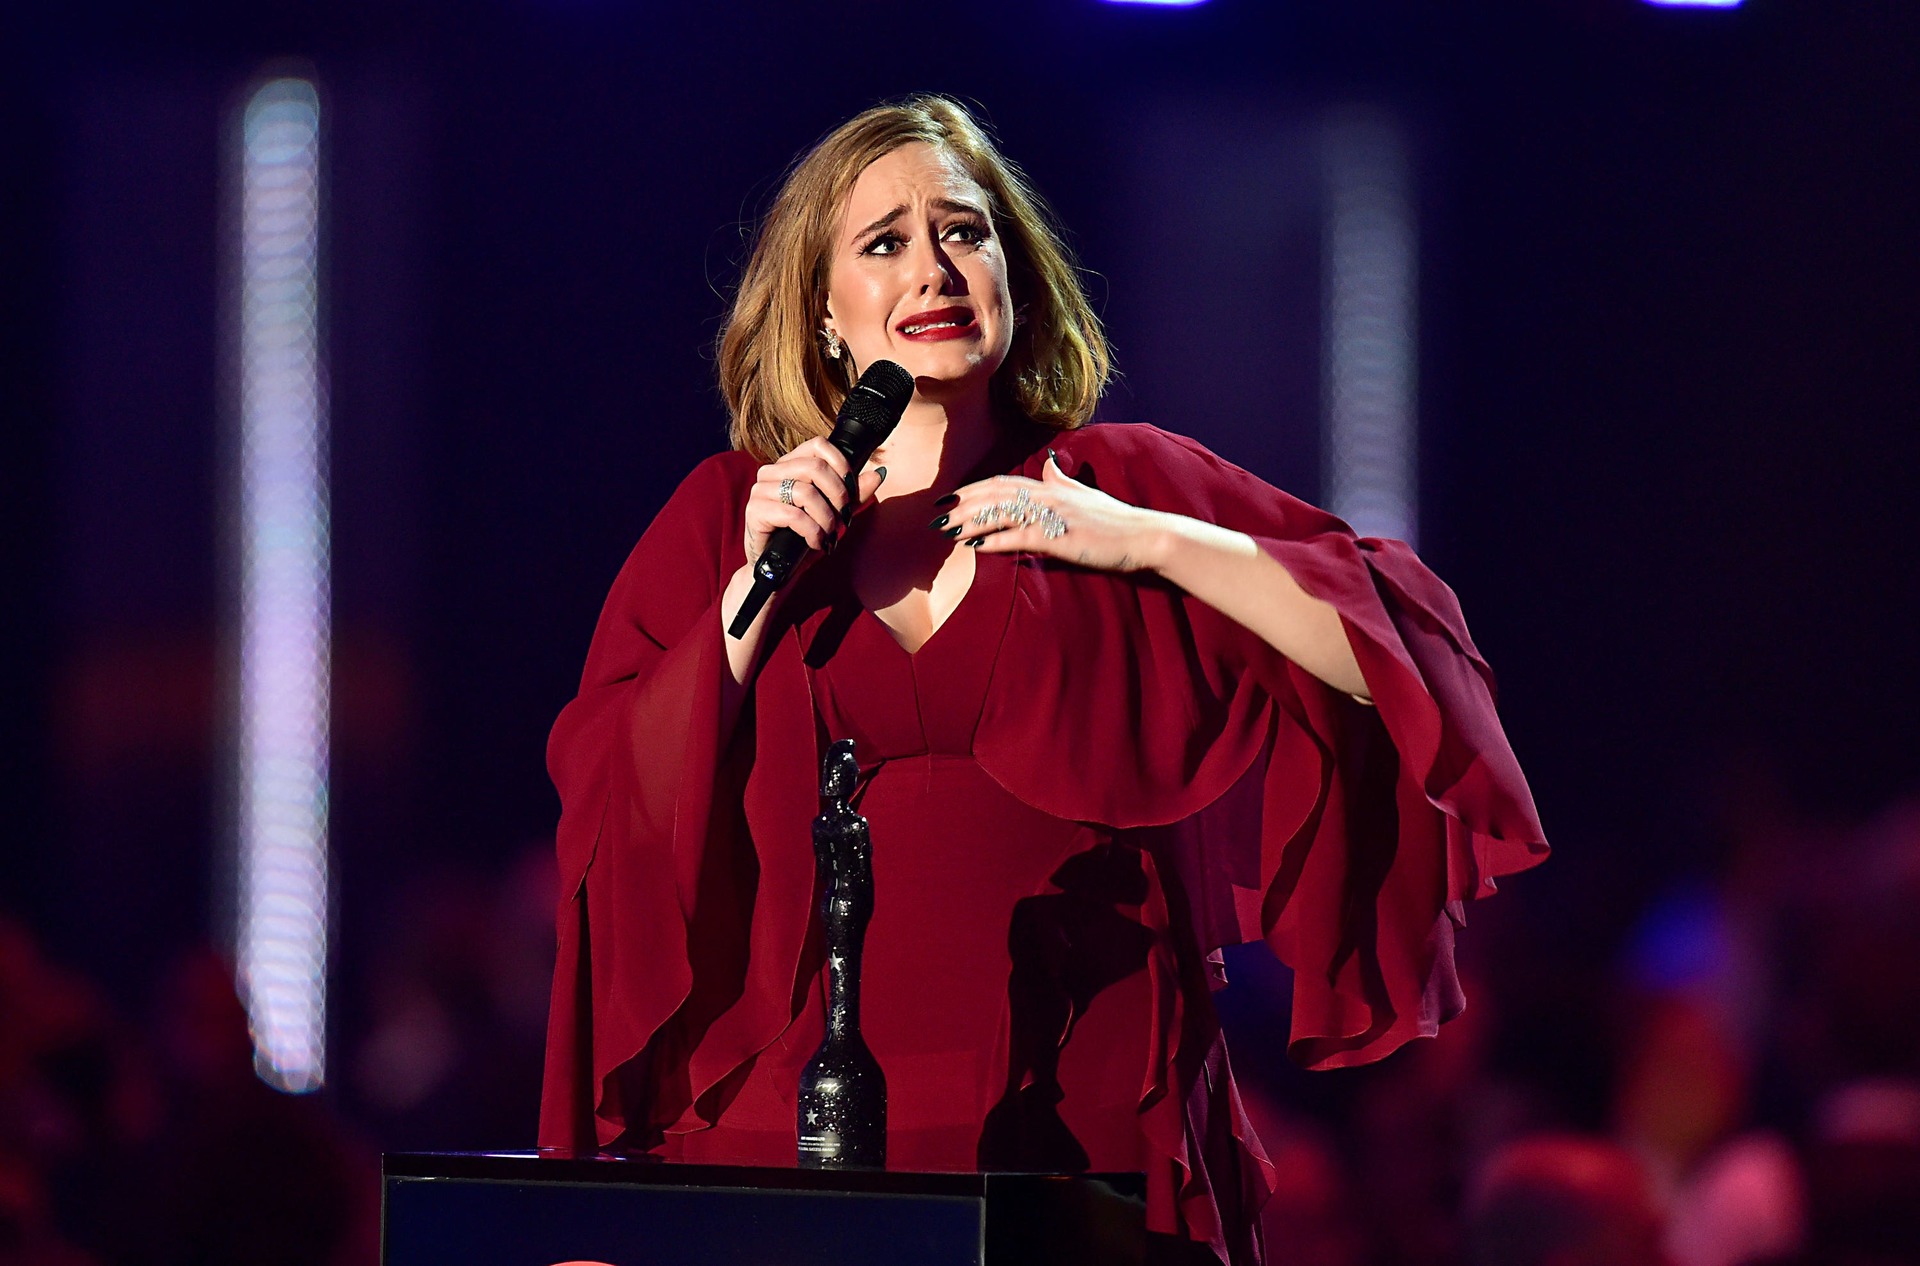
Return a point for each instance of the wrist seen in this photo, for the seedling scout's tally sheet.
(1159, 543)
(735, 593)
(1180, 550)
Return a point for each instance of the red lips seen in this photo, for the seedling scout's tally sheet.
(937, 325)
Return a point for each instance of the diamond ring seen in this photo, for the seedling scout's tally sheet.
(786, 492)
(1021, 510)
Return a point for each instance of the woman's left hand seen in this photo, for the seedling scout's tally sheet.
(1055, 516)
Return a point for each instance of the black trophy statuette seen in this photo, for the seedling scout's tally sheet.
(843, 1094)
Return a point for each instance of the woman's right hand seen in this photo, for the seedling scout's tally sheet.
(820, 504)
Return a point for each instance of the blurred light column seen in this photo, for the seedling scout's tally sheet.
(1369, 289)
(284, 634)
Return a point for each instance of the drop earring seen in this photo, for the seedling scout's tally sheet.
(832, 342)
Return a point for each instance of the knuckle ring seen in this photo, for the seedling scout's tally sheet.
(786, 492)
(1021, 510)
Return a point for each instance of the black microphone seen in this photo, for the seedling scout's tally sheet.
(871, 411)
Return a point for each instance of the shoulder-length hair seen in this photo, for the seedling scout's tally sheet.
(777, 381)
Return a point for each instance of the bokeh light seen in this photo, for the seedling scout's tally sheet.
(284, 642)
(1369, 328)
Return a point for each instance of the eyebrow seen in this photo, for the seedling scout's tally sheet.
(942, 204)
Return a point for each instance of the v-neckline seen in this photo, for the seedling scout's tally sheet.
(995, 460)
(973, 582)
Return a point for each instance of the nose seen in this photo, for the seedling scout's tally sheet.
(935, 269)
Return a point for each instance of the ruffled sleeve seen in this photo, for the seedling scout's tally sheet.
(1346, 836)
(686, 873)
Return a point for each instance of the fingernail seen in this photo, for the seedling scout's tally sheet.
(975, 541)
(882, 472)
(938, 523)
(956, 530)
(951, 499)
(1053, 457)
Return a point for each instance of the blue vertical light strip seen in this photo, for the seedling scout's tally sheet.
(284, 598)
(1370, 441)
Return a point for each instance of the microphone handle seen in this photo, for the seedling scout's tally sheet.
(866, 417)
(785, 548)
(750, 605)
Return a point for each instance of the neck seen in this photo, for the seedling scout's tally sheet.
(937, 443)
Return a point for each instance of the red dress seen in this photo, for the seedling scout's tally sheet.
(1079, 788)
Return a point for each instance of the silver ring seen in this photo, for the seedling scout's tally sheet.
(1021, 510)
(786, 492)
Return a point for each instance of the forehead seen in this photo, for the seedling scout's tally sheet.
(910, 176)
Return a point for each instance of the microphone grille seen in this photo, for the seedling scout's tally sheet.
(890, 382)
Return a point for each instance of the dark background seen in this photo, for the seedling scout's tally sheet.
(1670, 304)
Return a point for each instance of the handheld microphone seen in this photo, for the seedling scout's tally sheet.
(871, 411)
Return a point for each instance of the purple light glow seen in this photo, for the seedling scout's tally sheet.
(285, 635)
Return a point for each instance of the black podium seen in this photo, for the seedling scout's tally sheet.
(522, 1209)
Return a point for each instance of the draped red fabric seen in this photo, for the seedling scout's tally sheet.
(1371, 825)
(1348, 836)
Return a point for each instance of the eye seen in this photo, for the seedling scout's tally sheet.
(888, 243)
(969, 231)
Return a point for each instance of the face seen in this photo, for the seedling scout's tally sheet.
(919, 276)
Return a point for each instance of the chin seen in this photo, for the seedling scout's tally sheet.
(946, 373)
(948, 387)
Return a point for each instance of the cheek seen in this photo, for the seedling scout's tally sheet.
(990, 279)
(1004, 326)
(855, 301)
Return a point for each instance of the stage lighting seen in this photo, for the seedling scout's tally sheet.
(1169, 4)
(284, 636)
(1696, 4)
(1369, 327)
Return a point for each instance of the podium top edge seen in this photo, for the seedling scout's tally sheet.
(650, 1171)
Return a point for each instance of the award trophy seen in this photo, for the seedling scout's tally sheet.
(843, 1094)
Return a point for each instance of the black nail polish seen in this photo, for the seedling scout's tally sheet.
(975, 541)
(956, 530)
(1052, 457)
(938, 523)
(952, 498)
(882, 472)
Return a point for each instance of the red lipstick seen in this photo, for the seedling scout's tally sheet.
(937, 325)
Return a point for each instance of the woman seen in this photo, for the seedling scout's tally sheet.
(1117, 702)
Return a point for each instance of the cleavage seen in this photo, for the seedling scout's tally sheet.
(911, 579)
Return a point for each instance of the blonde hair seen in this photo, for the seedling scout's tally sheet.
(779, 385)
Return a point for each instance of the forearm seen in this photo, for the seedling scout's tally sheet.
(1229, 572)
(743, 653)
